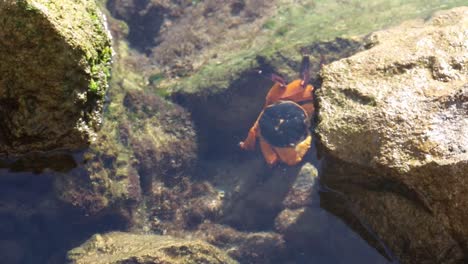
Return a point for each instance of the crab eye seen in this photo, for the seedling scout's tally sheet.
(305, 71)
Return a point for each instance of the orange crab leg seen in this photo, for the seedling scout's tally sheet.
(271, 157)
(275, 93)
(296, 92)
(250, 140)
(308, 108)
(294, 155)
(293, 91)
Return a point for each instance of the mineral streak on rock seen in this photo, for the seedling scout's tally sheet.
(55, 62)
(399, 110)
(118, 247)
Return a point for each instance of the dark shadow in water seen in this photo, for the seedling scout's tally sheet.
(35, 227)
(39, 162)
(337, 240)
(337, 204)
(144, 23)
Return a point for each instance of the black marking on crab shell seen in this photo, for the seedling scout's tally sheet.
(283, 124)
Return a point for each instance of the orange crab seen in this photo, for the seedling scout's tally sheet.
(283, 126)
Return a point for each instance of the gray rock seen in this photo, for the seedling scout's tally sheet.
(304, 190)
(398, 112)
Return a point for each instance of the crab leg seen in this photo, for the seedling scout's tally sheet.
(294, 155)
(250, 140)
(305, 71)
(268, 152)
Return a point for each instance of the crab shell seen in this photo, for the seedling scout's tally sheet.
(284, 133)
(282, 128)
(284, 124)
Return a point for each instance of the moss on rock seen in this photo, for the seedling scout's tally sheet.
(117, 247)
(286, 30)
(53, 74)
(144, 138)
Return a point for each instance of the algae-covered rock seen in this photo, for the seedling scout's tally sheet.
(399, 111)
(217, 78)
(245, 247)
(144, 138)
(151, 144)
(216, 43)
(117, 247)
(53, 74)
(161, 136)
(105, 180)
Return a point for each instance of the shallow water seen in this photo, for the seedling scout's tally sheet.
(40, 221)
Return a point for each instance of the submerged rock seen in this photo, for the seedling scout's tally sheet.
(245, 247)
(53, 74)
(152, 144)
(117, 247)
(144, 139)
(398, 114)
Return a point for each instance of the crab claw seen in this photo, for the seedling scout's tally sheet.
(274, 77)
(305, 71)
(278, 79)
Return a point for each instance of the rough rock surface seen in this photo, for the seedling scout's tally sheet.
(117, 247)
(207, 54)
(245, 247)
(180, 35)
(152, 144)
(144, 141)
(400, 111)
(53, 74)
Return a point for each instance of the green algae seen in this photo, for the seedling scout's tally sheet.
(297, 25)
(109, 179)
(55, 68)
(83, 26)
(119, 247)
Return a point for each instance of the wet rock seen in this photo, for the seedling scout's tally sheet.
(201, 33)
(120, 247)
(53, 74)
(312, 232)
(302, 221)
(254, 247)
(255, 204)
(397, 114)
(183, 206)
(162, 137)
(304, 190)
(302, 226)
(104, 182)
(154, 143)
(29, 212)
